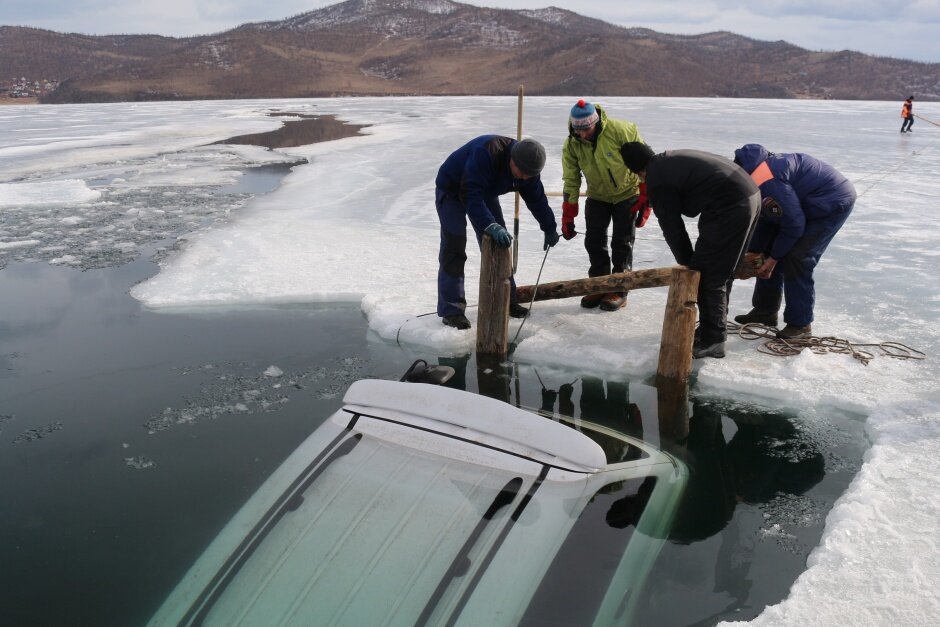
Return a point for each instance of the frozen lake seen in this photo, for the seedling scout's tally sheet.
(108, 403)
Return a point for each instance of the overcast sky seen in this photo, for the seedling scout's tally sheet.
(897, 28)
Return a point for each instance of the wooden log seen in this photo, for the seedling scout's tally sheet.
(493, 303)
(619, 282)
(675, 349)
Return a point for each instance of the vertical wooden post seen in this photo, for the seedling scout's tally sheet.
(675, 350)
(493, 304)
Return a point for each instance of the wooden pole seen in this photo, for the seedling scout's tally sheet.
(675, 349)
(619, 282)
(493, 304)
(515, 222)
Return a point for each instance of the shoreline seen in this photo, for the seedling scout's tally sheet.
(19, 101)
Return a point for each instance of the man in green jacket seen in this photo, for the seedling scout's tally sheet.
(614, 194)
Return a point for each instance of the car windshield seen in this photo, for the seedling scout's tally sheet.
(374, 534)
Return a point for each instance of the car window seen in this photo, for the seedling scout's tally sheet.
(573, 588)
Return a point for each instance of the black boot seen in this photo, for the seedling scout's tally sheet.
(517, 311)
(715, 349)
(458, 321)
(768, 318)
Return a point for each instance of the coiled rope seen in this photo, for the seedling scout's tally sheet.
(786, 347)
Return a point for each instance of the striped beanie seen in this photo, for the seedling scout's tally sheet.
(583, 115)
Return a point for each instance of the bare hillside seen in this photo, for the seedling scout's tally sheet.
(439, 47)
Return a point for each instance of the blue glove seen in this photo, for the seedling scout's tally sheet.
(551, 238)
(500, 235)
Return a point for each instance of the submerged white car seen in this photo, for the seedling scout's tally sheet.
(417, 504)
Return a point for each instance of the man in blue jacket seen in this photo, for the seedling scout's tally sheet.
(804, 203)
(468, 185)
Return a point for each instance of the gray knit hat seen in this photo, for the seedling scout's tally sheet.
(529, 156)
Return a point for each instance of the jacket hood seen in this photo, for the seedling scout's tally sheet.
(749, 156)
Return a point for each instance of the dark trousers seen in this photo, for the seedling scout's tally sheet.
(451, 299)
(907, 123)
(722, 240)
(598, 215)
(792, 277)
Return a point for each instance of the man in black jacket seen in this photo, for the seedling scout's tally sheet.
(727, 202)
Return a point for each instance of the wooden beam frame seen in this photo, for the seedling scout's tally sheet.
(675, 349)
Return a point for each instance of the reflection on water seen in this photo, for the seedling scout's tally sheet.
(260, 179)
(156, 428)
(761, 482)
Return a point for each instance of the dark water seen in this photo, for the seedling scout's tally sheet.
(128, 438)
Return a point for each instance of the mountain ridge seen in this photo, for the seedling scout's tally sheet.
(443, 47)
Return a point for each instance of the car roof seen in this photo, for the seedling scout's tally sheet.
(480, 418)
(407, 502)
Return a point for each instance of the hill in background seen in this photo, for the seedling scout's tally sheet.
(440, 47)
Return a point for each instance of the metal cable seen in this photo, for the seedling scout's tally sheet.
(883, 174)
(535, 290)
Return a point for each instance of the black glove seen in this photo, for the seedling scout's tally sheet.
(551, 238)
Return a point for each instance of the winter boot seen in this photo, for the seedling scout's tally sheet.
(517, 311)
(792, 332)
(612, 301)
(458, 321)
(767, 318)
(701, 349)
(592, 300)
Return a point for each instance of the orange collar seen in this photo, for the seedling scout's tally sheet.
(762, 174)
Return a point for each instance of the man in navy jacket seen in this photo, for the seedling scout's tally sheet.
(468, 185)
(804, 203)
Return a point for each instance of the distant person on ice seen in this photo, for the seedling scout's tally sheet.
(804, 204)
(694, 183)
(907, 113)
(468, 185)
(614, 194)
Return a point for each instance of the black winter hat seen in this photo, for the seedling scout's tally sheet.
(636, 155)
(529, 156)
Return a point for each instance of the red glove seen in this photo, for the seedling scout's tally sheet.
(641, 208)
(568, 212)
